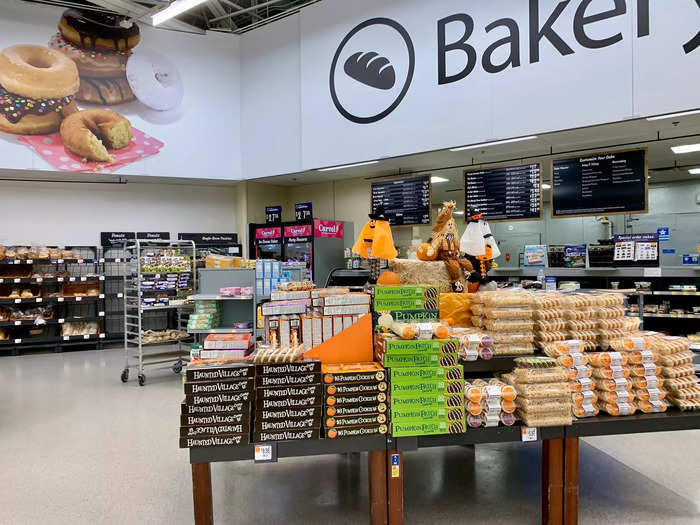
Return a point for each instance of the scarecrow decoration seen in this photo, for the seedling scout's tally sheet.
(375, 242)
(480, 248)
(444, 246)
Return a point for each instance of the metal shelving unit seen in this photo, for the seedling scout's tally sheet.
(138, 318)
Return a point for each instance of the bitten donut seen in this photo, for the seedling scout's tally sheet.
(101, 31)
(90, 133)
(92, 63)
(36, 85)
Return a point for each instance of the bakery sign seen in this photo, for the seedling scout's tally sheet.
(331, 229)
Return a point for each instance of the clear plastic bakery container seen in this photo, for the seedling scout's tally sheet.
(513, 349)
(509, 325)
(501, 299)
(543, 405)
(681, 358)
(649, 394)
(651, 407)
(615, 397)
(645, 370)
(541, 375)
(548, 314)
(678, 371)
(543, 390)
(549, 337)
(612, 385)
(619, 409)
(545, 420)
(513, 337)
(604, 359)
(582, 398)
(507, 313)
(583, 411)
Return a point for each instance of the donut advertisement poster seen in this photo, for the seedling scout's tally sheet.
(87, 91)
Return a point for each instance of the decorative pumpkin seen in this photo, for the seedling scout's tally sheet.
(422, 252)
(389, 279)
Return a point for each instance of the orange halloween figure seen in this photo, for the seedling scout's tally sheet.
(375, 242)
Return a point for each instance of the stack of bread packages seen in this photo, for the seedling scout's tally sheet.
(489, 402)
(611, 377)
(549, 311)
(507, 317)
(544, 397)
(677, 371)
(643, 372)
(571, 355)
(611, 321)
(473, 343)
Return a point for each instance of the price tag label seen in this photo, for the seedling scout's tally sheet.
(117, 260)
(59, 261)
(79, 261)
(2, 281)
(18, 341)
(266, 453)
(61, 321)
(528, 433)
(17, 301)
(40, 279)
(71, 279)
(102, 277)
(120, 294)
(101, 296)
(66, 337)
(101, 336)
(17, 280)
(60, 299)
(30, 261)
(395, 466)
(78, 299)
(59, 279)
(86, 336)
(83, 279)
(39, 300)
(17, 262)
(100, 314)
(17, 323)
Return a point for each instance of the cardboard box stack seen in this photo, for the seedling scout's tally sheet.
(355, 400)
(226, 346)
(216, 410)
(426, 380)
(311, 317)
(288, 401)
(207, 315)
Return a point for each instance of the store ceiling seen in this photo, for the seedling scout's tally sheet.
(232, 16)
(658, 136)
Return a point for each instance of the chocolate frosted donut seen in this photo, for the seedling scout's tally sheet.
(456, 428)
(430, 304)
(104, 91)
(454, 401)
(454, 388)
(430, 293)
(454, 373)
(95, 30)
(449, 347)
(455, 414)
(448, 360)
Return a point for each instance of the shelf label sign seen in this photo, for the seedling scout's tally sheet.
(273, 214)
(664, 234)
(266, 453)
(303, 211)
(115, 238)
(153, 236)
(528, 433)
(395, 466)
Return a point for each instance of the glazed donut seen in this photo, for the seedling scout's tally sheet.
(89, 133)
(105, 91)
(101, 31)
(37, 72)
(91, 63)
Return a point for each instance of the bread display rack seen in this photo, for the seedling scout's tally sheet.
(158, 278)
(51, 297)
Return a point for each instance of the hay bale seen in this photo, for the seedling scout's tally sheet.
(430, 273)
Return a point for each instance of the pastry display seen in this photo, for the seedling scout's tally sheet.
(100, 44)
(90, 133)
(163, 336)
(37, 86)
(80, 328)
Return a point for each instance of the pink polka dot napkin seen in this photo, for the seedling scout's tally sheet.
(50, 148)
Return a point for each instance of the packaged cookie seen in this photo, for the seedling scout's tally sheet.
(678, 371)
(685, 404)
(500, 299)
(547, 314)
(581, 324)
(681, 358)
(508, 324)
(679, 384)
(549, 337)
(507, 313)
(551, 325)
(513, 349)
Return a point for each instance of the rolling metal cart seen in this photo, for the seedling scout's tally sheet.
(152, 306)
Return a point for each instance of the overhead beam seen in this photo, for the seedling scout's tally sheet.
(143, 14)
(240, 8)
(246, 10)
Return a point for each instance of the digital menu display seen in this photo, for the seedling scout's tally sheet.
(600, 184)
(505, 192)
(405, 201)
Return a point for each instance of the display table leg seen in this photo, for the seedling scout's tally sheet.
(394, 476)
(201, 494)
(552, 481)
(377, 487)
(571, 481)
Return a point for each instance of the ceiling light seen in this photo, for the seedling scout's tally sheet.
(435, 180)
(673, 115)
(457, 213)
(496, 143)
(688, 148)
(349, 166)
(174, 9)
(546, 186)
(694, 171)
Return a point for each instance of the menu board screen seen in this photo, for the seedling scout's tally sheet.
(405, 201)
(600, 184)
(505, 192)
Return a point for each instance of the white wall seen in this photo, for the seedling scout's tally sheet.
(70, 213)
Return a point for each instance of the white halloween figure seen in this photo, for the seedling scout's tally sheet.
(479, 247)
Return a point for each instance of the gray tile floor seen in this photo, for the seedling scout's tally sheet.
(79, 447)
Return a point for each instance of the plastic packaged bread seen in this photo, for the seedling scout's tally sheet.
(549, 337)
(582, 411)
(509, 324)
(678, 371)
(619, 409)
(541, 375)
(545, 420)
(610, 372)
(582, 398)
(604, 359)
(542, 406)
(649, 407)
(501, 299)
(645, 382)
(581, 384)
(507, 313)
(548, 314)
(612, 385)
(645, 370)
(685, 404)
(513, 349)
(681, 358)
(513, 337)
(676, 387)
(649, 394)
(615, 397)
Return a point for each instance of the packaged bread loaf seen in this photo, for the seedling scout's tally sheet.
(513, 337)
(500, 299)
(506, 325)
(507, 313)
(649, 407)
(612, 385)
(548, 314)
(618, 409)
(513, 349)
(545, 420)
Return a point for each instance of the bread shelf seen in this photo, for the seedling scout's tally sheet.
(46, 322)
(674, 316)
(41, 280)
(204, 297)
(222, 331)
(51, 300)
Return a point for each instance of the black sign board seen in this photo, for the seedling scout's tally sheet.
(636, 249)
(303, 211)
(153, 236)
(600, 184)
(210, 239)
(504, 192)
(273, 214)
(116, 238)
(405, 201)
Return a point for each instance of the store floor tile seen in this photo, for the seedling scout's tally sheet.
(79, 447)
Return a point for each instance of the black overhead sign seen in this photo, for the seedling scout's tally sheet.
(505, 192)
(210, 239)
(405, 201)
(600, 184)
(114, 238)
(153, 236)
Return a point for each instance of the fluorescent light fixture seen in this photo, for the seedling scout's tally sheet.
(687, 148)
(673, 115)
(349, 166)
(546, 186)
(457, 213)
(174, 9)
(694, 171)
(496, 143)
(435, 180)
